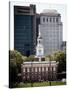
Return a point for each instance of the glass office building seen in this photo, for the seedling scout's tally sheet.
(25, 29)
(51, 31)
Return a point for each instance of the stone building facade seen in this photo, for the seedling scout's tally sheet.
(39, 71)
(51, 29)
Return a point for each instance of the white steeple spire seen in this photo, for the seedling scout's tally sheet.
(39, 33)
(39, 48)
(39, 30)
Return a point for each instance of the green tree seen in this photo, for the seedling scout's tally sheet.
(49, 57)
(61, 58)
(16, 59)
(30, 58)
(13, 71)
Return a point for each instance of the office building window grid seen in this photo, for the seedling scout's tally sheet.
(50, 19)
(51, 31)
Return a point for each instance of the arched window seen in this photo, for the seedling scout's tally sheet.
(53, 19)
(56, 19)
(43, 19)
(27, 69)
(50, 19)
(47, 19)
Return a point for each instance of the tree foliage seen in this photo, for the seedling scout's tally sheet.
(17, 56)
(30, 58)
(60, 57)
(15, 60)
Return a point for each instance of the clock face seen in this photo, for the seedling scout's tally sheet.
(40, 52)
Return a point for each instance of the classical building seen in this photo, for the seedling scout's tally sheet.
(51, 31)
(25, 29)
(39, 69)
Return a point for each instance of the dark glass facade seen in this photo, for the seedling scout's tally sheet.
(37, 24)
(24, 32)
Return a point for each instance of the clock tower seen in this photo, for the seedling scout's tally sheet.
(39, 47)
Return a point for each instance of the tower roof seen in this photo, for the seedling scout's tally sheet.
(50, 12)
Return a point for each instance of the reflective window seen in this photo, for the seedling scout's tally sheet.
(23, 33)
(47, 19)
(43, 19)
(53, 19)
(50, 19)
(56, 19)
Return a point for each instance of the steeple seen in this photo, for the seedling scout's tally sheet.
(39, 47)
(39, 35)
(39, 39)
